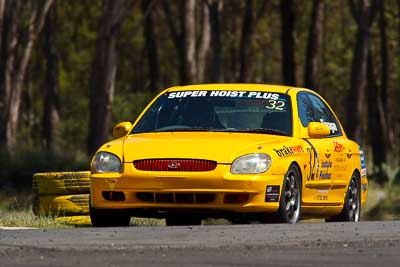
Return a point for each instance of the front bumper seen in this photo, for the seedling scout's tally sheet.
(213, 191)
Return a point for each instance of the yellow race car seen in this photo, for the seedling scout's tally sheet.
(245, 152)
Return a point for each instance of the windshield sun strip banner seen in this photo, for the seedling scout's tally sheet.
(223, 93)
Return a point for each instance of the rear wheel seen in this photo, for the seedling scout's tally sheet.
(176, 220)
(352, 203)
(290, 202)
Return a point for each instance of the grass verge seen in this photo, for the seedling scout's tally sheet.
(383, 203)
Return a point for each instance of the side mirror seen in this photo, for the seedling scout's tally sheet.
(121, 129)
(318, 130)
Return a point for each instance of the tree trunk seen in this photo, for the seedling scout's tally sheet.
(386, 120)
(246, 51)
(51, 112)
(245, 43)
(376, 131)
(287, 42)
(177, 37)
(15, 62)
(215, 7)
(104, 68)
(189, 33)
(384, 55)
(2, 7)
(204, 44)
(314, 45)
(150, 37)
(363, 13)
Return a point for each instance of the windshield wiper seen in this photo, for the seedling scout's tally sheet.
(183, 128)
(263, 131)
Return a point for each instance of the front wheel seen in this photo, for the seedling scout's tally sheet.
(290, 202)
(108, 218)
(352, 203)
(176, 220)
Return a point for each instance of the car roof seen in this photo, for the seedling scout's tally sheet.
(235, 87)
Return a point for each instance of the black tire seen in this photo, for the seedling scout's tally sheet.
(181, 220)
(240, 221)
(352, 203)
(107, 218)
(290, 201)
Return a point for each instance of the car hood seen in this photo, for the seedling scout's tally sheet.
(217, 146)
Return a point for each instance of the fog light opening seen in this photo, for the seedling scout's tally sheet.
(113, 195)
(236, 198)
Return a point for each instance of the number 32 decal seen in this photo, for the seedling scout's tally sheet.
(275, 104)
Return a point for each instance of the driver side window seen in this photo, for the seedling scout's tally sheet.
(313, 109)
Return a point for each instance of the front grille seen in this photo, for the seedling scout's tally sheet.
(181, 198)
(175, 165)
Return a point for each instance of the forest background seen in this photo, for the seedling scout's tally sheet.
(70, 70)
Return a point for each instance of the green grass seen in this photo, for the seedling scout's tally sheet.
(383, 203)
(16, 211)
(28, 219)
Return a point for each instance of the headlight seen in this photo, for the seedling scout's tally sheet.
(251, 164)
(106, 162)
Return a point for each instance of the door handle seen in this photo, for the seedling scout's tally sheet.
(349, 153)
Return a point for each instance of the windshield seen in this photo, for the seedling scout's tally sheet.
(230, 111)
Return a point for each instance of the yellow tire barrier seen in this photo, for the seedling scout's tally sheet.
(61, 193)
(67, 205)
(61, 183)
(83, 220)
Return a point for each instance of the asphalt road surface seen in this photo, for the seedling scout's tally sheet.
(305, 244)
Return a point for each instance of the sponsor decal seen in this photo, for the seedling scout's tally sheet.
(340, 168)
(243, 94)
(313, 161)
(340, 159)
(363, 172)
(338, 147)
(272, 193)
(331, 125)
(287, 151)
(325, 175)
(321, 197)
(364, 187)
(276, 105)
(363, 164)
(111, 183)
(326, 164)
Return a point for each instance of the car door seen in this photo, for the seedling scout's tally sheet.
(328, 178)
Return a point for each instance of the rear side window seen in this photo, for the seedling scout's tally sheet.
(313, 109)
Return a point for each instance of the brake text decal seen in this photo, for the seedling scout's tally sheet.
(290, 150)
